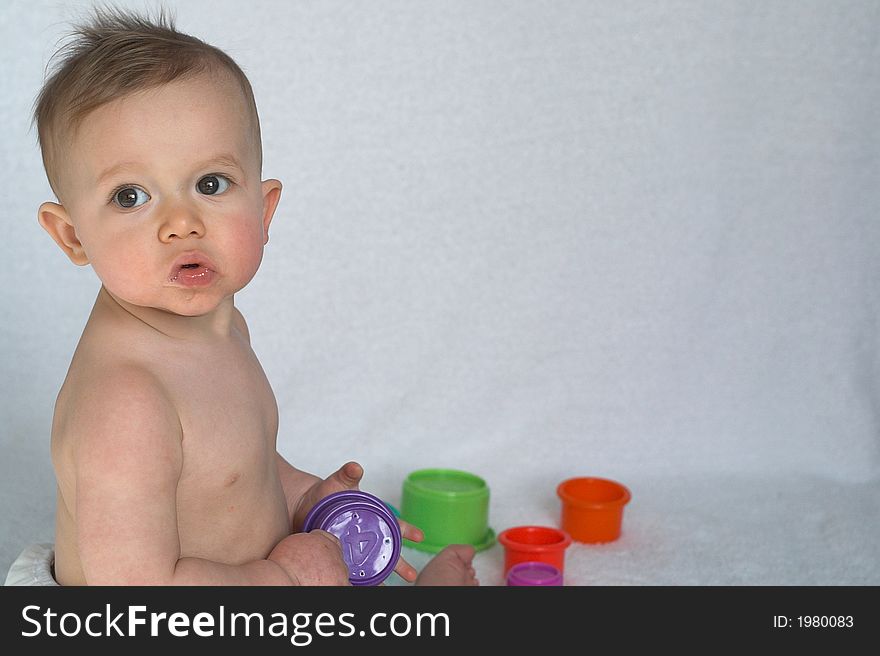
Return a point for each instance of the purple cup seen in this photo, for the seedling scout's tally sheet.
(367, 530)
(534, 573)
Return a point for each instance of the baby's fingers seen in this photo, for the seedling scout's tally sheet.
(406, 571)
(410, 532)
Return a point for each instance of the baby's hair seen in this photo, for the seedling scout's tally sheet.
(115, 53)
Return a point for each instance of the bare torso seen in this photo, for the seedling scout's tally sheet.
(230, 504)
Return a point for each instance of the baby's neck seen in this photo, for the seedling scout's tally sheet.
(217, 323)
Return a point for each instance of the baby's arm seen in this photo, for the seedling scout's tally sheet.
(128, 460)
(295, 484)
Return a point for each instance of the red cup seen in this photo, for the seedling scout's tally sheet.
(523, 544)
(592, 508)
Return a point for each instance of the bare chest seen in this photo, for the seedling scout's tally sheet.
(228, 417)
(229, 488)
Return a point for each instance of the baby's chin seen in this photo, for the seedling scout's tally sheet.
(178, 302)
(191, 312)
(197, 305)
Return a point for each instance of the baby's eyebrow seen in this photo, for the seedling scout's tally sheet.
(227, 160)
(116, 168)
(223, 159)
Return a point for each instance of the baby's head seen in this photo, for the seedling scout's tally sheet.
(117, 54)
(151, 141)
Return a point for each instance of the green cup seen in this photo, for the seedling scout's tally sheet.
(450, 506)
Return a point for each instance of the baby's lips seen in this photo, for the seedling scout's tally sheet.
(189, 258)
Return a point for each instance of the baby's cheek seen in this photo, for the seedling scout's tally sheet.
(114, 264)
(124, 277)
(247, 253)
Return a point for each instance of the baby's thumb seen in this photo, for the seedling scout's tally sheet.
(349, 475)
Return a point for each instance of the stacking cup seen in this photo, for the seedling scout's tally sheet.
(592, 508)
(367, 530)
(534, 544)
(533, 573)
(449, 506)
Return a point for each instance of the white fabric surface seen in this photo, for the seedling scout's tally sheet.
(536, 240)
(33, 567)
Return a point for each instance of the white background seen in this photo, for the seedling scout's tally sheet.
(535, 240)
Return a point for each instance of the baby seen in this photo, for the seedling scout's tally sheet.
(163, 438)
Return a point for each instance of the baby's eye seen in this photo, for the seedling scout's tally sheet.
(129, 197)
(211, 185)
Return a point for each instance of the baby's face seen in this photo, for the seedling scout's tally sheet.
(163, 188)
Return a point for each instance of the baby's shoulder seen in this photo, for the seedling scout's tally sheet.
(115, 428)
(106, 398)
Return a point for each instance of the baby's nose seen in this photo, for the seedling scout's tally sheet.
(181, 222)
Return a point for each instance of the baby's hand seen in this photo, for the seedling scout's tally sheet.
(347, 477)
(313, 558)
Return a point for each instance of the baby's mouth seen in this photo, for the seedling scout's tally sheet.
(192, 269)
(190, 272)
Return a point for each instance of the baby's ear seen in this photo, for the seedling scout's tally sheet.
(56, 221)
(271, 195)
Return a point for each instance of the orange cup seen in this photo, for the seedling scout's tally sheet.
(542, 544)
(592, 508)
